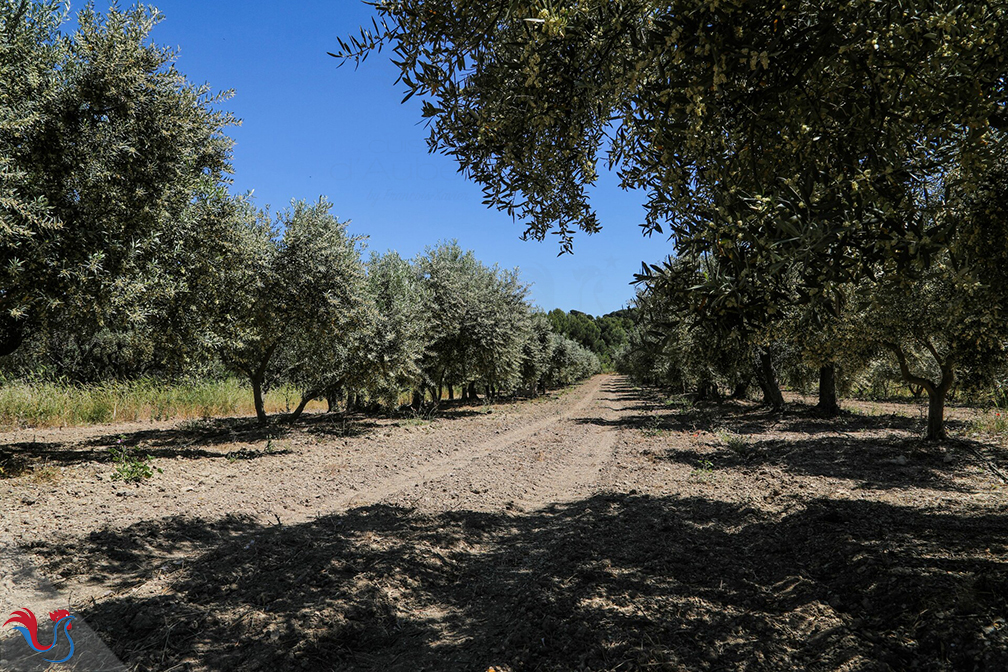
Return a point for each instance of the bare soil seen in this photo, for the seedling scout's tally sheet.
(601, 528)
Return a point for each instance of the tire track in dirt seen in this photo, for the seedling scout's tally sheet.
(578, 472)
(559, 462)
(440, 468)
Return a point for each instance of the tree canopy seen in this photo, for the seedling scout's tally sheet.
(811, 109)
(791, 151)
(104, 148)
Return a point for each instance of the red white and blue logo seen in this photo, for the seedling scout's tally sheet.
(26, 624)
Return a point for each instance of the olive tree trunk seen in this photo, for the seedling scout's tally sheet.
(257, 377)
(828, 405)
(766, 376)
(305, 398)
(937, 392)
(332, 397)
(257, 398)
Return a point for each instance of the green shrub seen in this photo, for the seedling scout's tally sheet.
(130, 466)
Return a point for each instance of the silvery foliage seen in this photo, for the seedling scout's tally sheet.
(536, 351)
(477, 319)
(299, 299)
(105, 149)
(569, 362)
(395, 343)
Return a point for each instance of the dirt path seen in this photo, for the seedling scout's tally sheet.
(510, 456)
(484, 474)
(604, 527)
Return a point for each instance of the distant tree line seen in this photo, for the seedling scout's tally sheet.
(605, 336)
(123, 254)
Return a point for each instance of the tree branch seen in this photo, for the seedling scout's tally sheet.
(264, 362)
(945, 366)
(905, 370)
(926, 342)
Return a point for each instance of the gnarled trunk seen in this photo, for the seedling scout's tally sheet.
(936, 414)
(257, 377)
(767, 379)
(937, 392)
(308, 396)
(827, 391)
(332, 396)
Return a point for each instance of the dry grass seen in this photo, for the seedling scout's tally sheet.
(993, 422)
(61, 405)
(47, 473)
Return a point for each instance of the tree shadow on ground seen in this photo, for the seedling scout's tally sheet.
(872, 464)
(190, 439)
(198, 438)
(876, 452)
(606, 583)
(748, 417)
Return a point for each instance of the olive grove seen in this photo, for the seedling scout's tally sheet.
(793, 152)
(125, 255)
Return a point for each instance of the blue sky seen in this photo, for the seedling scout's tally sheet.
(310, 128)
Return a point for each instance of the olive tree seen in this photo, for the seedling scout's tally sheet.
(569, 362)
(477, 319)
(104, 146)
(673, 346)
(499, 324)
(535, 353)
(299, 299)
(447, 274)
(721, 330)
(396, 343)
(952, 319)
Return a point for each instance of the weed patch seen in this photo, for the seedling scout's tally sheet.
(994, 422)
(652, 426)
(47, 473)
(704, 471)
(131, 466)
(736, 443)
